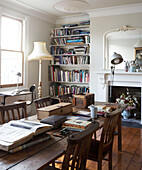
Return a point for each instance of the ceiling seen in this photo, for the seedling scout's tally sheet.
(47, 6)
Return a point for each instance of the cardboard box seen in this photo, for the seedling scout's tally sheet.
(56, 109)
(83, 100)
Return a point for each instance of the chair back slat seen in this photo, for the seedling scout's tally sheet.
(7, 113)
(65, 98)
(13, 112)
(78, 147)
(42, 102)
(18, 113)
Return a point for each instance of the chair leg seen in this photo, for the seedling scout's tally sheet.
(110, 160)
(100, 165)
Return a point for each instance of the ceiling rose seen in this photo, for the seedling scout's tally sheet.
(71, 6)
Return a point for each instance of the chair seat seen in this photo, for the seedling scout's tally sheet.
(94, 149)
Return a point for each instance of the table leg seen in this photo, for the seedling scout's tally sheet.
(119, 134)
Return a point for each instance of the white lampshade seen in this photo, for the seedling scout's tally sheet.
(40, 52)
(138, 44)
(116, 59)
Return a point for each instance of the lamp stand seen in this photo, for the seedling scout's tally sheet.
(111, 83)
(39, 84)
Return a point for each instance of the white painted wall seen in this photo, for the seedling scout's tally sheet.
(39, 30)
(100, 25)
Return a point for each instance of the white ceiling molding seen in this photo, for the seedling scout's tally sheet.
(71, 19)
(25, 9)
(117, 10)
(71, 6)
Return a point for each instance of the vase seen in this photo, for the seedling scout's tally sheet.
(125, 114)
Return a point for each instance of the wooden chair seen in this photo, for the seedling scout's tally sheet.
(100, 148)
(77, 149)
(13, 112)
(43, 102)
(65, 98)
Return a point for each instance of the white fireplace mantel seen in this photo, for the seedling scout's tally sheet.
(121, 78)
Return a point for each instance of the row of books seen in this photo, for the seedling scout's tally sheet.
(86, 22)
(65, 32)
(71, 59)
(56, 89)
(58, 74)
(75, 40)
(76, 50)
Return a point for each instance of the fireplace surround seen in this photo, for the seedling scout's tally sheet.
(122, 80)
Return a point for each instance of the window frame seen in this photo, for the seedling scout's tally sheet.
(22, 51)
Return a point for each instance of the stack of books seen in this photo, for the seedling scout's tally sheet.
(80, 50)
(75, 40)
(76, 125)
(86, 22)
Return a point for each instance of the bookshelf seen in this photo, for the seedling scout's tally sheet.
(70, 70)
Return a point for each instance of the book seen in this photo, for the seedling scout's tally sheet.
(83, 113)
(36, 139)
(17, 132)
(80, 124)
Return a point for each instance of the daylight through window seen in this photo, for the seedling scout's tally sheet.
(11, 51)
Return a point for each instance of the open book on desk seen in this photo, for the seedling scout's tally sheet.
(17, 132)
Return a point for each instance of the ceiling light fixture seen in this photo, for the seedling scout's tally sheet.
(71, 6)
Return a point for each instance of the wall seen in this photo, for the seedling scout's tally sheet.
(39, 30)
(100, 25)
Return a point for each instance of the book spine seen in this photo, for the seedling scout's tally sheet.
(30, 144)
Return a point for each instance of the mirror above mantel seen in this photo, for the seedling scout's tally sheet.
(122, 41)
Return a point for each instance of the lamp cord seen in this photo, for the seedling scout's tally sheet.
(111, 83)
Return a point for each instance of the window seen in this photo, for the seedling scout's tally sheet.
(12, 54)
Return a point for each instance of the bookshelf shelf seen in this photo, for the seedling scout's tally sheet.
(76, 27)
(68, 82)
(62, 45)
(70, 55)
(69, 71)
(68, 36)
(73, 65)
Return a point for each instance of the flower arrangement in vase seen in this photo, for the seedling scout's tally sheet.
(131, 102)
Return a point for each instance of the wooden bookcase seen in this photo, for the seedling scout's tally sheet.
(70, 48)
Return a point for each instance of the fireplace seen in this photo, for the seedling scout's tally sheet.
(122, 81)
(116, 91)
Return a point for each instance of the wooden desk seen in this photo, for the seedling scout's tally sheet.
(35, 156)
(12, 94)
(41, 154)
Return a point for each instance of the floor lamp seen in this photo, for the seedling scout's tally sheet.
(39, 53)
(115, 59)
